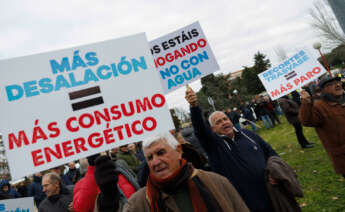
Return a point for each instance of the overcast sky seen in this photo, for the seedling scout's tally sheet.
(235, 29)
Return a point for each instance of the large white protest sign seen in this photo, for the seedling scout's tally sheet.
(182, 57)
(20, 204)
(64, 105)
(291, 74)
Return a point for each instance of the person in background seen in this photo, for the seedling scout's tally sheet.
(290, 109)
(7, 190)
(73, 173)
(262, 112)
(234, 117)
(129, 157)
(139, 152)
(83, 167)
(271, 110)
(248, 115)
(22, 188)
(60, 171)
(35, 189)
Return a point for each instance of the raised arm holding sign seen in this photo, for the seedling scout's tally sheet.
(226, 147)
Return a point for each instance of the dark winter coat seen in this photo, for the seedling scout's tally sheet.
(73, 175)
(65, 180)
(328, 118)
(248, 114)
(242, 160)
(57, 203)
(260, 109)
(189, 136)
(283, 194)
(12, 193)
(296, 97)
(130, 158)
(35, 190)
(234, 117)
(290, 109)
(23, 191)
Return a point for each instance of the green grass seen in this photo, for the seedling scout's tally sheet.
(323, 189)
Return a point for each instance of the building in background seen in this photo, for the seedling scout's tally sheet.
(338, 7)
(234, 75)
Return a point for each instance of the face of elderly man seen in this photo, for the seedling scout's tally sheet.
(162, 159)
(222, 125)
(49, 187)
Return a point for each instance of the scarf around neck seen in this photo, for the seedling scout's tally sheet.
(201, 197)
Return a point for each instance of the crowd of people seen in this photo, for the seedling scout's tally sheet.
(226, 168)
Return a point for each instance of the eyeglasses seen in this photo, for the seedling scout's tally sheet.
(46, 185)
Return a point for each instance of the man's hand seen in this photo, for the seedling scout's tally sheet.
(191, 97)
(91, 159)
(271, 180)
(305, 96)
(70, 207)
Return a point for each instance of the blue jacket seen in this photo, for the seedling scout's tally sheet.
(12, 193)
(242, 160)
(35, 190)
(65, 180)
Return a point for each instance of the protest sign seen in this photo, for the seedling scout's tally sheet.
(182, 57)
(64, 105)
(291, 74)
(20, 204)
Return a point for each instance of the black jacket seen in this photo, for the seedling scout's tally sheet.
(35, 190)
(242, 161)
(260, 109)
(57, 203)
(73, 175)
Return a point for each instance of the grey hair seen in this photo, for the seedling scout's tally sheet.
(53, 177)
(164, 136)
(211, 116)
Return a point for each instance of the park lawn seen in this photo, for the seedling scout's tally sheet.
(323, 189)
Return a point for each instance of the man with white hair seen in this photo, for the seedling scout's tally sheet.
(173, 184)
(238, 154)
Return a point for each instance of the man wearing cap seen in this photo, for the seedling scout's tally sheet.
(327, 115)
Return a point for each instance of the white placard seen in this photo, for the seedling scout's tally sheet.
(182, 57)
(64, 105)
(20, 204)
(291, 74)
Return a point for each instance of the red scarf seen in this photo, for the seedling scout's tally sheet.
(183, 175)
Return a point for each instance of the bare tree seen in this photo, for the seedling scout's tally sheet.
(280, 53)
(181, 114)
(325, 23)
